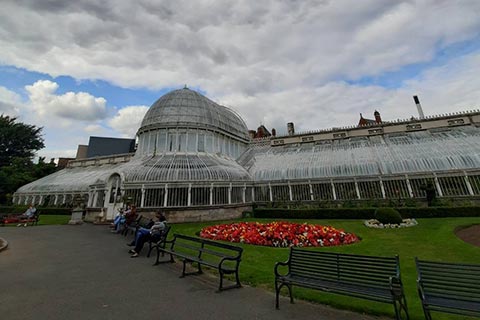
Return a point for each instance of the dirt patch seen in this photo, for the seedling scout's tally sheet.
(470, 234)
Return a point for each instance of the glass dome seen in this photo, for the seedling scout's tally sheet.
(184, 121)
(185, 107)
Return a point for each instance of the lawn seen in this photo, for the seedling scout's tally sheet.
(432, 239)
(46, 219)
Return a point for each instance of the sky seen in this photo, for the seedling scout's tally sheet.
(92, 68)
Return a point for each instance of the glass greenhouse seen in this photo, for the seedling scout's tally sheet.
(194, 154)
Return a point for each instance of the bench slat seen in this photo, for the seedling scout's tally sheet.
(449, 287)
(223, 257)
(359, 276)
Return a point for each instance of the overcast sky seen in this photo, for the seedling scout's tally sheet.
(91, 67)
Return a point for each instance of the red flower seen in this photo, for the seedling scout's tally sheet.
(279, 234)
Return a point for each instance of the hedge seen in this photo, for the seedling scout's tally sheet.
(364, 213)
(47, 211)
(324, 213)
(439, 212)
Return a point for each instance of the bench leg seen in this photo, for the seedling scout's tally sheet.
(184, 267)
(401, 311)
(426, 312)
(157, 262)
(222, 288)
(277, 293)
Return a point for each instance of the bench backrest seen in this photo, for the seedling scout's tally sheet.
(449, 280)
(207, 250)
(368, 271)
(162, 237)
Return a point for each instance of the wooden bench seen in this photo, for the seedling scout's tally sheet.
(158, 242)
(367, 277)
(449, 287)
(223, 257)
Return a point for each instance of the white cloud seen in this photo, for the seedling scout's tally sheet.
(10, 102)
(70, 105)
(127, 120)
(272, 61)
(448, 88)
(229, 46)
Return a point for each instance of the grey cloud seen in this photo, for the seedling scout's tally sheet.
(249, 47)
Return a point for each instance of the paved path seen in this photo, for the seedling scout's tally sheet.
(84, 272)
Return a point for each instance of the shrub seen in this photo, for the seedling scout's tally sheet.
(388, 216)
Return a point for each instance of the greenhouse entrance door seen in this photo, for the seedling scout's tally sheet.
(113, 200)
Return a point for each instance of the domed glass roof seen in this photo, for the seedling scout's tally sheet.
(185, 107)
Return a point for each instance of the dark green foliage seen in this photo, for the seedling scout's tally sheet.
(323, 213)
(18, 144)
(18, 140)
(364, 213)
(439, 212)
(388, 216)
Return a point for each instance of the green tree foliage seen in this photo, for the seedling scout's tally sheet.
(18, 144)
(18, 140)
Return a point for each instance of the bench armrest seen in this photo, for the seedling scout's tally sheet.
(278, 264)
(228, 259)
(396, 286)
(421, 293)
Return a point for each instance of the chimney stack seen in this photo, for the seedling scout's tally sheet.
(274, 132)
(290, 129)
(419, 107)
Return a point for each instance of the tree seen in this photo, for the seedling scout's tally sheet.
(18, 140)
(18, 144)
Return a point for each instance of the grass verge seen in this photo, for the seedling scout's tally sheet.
(433, 239)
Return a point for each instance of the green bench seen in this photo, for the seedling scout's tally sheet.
(449, 287)
(223, 257)
(366, 277)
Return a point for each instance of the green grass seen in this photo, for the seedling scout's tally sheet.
(46, 219)
(53, 219)
(432, 239)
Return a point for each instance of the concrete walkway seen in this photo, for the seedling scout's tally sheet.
(85, 272)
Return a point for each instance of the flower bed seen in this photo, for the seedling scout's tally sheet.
(279, 234)
(373, 223)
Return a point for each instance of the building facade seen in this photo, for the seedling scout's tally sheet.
(196, 160)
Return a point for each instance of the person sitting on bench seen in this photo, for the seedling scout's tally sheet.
(27, 215)
(144, 234)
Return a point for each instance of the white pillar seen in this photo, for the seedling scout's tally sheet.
(437, 185)
(165, 199)
(189, 197)
(142, 196)
(230, 194)
(290, 191)
(211, 194)
(270, 192)
(469, 186)
(244, 192)
(409, 186)
(357, 190)
(333, 190)
(382, 188)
